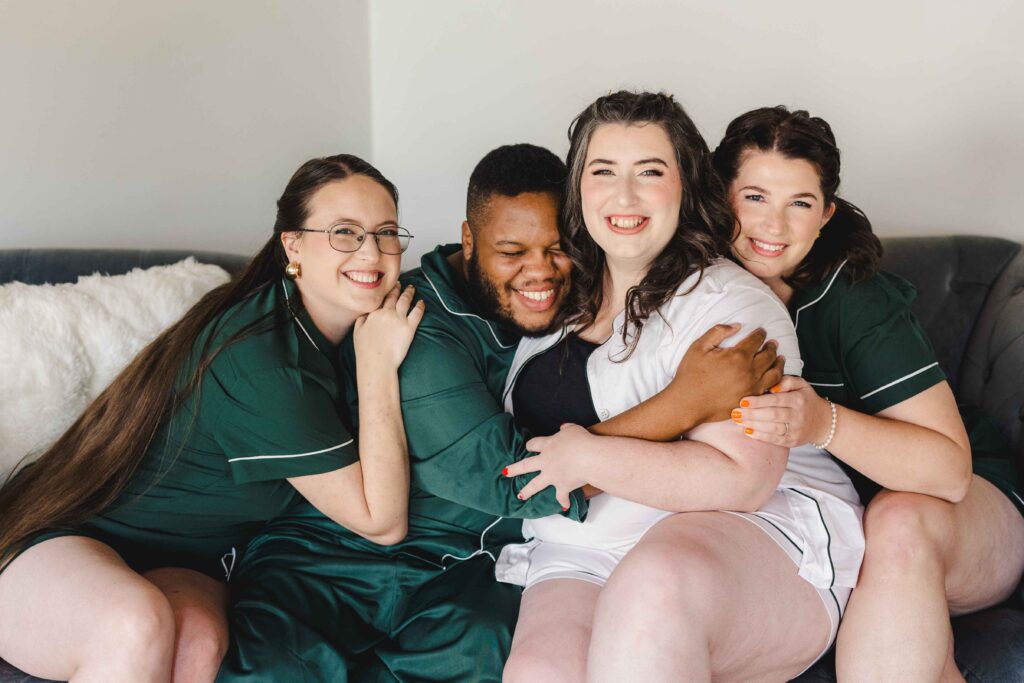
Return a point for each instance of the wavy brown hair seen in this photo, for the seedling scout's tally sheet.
(90, 465)
(705, 219)
(797, 135)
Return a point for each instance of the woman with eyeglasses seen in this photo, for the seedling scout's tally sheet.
(117, 544)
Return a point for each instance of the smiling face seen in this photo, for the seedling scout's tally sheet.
(780, 208)
(515, 265)
(338, 287)
(631, 192)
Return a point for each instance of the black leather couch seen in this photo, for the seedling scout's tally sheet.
(971, 302)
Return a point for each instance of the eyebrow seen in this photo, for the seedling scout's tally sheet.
(641, 162)
(514, 243)
(353, 221)
(801, 195)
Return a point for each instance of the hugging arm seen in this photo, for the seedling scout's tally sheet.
(459, 436)
(714, 468)
(707, 385)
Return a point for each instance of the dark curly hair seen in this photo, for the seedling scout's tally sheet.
(798, 135)
(511, 170)
(705, 219)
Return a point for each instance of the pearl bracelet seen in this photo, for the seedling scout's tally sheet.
(831, 431)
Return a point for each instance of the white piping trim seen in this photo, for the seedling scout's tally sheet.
(294, 455)
(475, 552)
(233, 555)
(465, 315)
(897, 381)
(796, 317)
(288, 303)
(1017, 496)
(823, 384)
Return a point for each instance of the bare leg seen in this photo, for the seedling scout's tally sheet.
(706, 596)
(553, 632)
(72, 610)
(924, 559)
(199, 604)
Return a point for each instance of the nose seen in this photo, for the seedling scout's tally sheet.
(540, 266)
(774, 220)
(626, 191)
(368, 250)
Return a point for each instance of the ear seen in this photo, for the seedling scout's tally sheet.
(829, 212)
(290, 242)
(467, 241)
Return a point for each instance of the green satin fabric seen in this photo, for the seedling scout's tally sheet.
(340, 611)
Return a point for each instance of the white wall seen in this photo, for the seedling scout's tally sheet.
(927, 98)
(144, 123)
(176, 124)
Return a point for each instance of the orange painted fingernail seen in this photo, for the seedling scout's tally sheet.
(748, 431)
(737, 415)
(744, 403)
(776, 389)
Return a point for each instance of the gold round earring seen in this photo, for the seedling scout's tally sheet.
(293, 270)
(818, 235)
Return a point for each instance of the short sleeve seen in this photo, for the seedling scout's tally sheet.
(886, 355)
(281, 423)
(752, 306)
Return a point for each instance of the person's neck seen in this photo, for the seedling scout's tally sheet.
(781, 289)
(619, 277)
(332, 325)
(458, 264)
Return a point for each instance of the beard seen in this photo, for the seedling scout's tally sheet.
(487, 301)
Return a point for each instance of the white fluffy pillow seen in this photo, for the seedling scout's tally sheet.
(61, 345)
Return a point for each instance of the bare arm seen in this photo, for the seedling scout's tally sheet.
(371, 497)
(713, 469)
(708, 383)
(918, 445)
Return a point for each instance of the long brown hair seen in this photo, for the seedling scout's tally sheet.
(797, 135)
(90, 465)
(705, 219)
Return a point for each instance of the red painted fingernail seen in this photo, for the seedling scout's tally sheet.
(504, 472)
(565, 509)
(744, 403)
(748, 431)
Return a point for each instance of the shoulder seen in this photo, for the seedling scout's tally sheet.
(723, 287)
(880, 297)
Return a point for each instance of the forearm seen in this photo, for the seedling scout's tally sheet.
(663, 417)
(686, 475)
(902, 456)
(383, 451)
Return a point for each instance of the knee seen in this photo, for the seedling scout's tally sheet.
(140, 623)
(528, 664)
(904, 530)
(202, 639)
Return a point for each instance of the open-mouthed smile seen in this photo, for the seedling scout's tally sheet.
(763, 248)
(536, 299)
(626, 225)
(367, 279)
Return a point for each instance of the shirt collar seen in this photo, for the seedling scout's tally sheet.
(452, 290)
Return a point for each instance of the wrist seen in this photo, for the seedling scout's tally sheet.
(830, 429)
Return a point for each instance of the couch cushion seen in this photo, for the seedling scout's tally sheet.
(953, 276)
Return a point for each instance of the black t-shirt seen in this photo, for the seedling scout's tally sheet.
(553, 388)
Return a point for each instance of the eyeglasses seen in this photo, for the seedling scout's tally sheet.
(348, 237)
